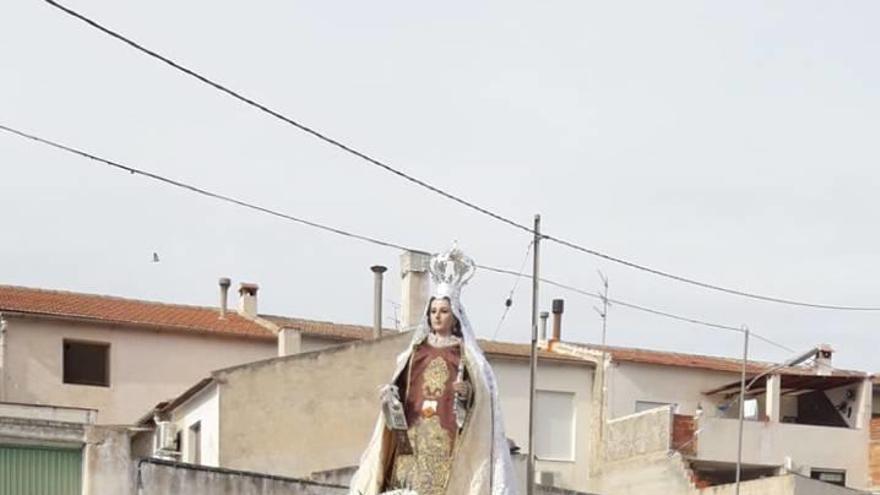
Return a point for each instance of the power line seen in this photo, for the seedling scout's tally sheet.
(334, 230)
(421, 183)
(372, 240)
(198, 190)
(643, 308)
(509, 301)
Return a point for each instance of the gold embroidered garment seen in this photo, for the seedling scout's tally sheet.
(431, 419)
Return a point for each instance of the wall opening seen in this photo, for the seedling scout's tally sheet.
(86, 363)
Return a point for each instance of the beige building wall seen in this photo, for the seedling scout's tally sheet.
(275, 412)
(631, 382)
(146, 366)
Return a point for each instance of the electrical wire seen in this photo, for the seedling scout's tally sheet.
(421, 183)
(644, 308)
(509, 301)
(338, 231)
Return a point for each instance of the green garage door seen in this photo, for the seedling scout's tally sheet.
(40, 471)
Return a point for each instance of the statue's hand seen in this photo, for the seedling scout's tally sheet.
(462, 388)
(386, 392)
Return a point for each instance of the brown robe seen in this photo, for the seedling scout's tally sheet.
(427, 387)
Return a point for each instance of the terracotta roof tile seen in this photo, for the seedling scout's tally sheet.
(133, 312)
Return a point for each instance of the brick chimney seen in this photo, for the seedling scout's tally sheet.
(247, 299)
(822, 359)
(414, 288)
(558, 307)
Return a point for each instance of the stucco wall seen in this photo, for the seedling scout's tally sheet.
(274, 414)
(146, 367)
(163, 478)
(631, 382)
(767, 443)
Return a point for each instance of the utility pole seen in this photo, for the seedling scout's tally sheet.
(742, 406)
(603, 313)
(603, 387)
(530, 468)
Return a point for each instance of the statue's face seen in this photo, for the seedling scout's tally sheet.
(441, 317)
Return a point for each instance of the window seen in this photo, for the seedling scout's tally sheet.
(554, 426)
(750, 409)
(86, 363)
(833, 476)
(646, 405)
(195, 443)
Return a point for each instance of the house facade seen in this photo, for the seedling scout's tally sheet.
(672, 421)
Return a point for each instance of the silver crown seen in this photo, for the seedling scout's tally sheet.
(450, 271)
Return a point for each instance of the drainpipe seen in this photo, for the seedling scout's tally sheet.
(2, 358)
(378, 270)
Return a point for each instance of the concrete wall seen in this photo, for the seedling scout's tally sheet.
(790, 484)
(164, 478)
(656, 473)
(648, 432)
(631, 382)
(146, 367)
(513, 385)
(274, 413)
(766, 443)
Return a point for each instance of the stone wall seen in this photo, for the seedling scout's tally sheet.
(638, 434)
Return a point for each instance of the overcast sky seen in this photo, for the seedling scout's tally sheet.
(731, 142)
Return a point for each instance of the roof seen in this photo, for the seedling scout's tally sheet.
(328, 329)
(512, 350)
(117, 310)
(700, 361)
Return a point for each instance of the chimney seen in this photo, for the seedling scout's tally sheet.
(822, 359)
(378, 270)
(544, 315)
(414, 288)
(247, 299)
(558, 306)
(224, 295)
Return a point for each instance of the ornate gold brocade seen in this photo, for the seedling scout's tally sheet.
(427, 470)
(436, 376)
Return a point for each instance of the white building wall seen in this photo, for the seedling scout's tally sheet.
(513, 385)
(632, 382)
(202, 408)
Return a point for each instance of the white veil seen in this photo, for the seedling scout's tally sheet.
(482, 464)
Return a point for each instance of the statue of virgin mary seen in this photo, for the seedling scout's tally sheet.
(440, 431)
